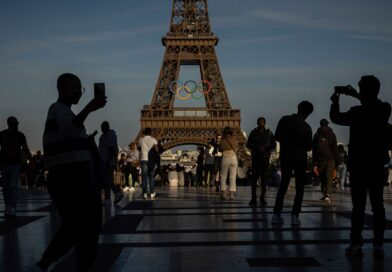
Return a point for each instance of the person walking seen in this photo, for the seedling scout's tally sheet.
(260, 142)
(229, 147)
(71, 182)
(108, 150)
(146, 144)
(367, 156)
(12, 144)
(295, 138)
(325, 154)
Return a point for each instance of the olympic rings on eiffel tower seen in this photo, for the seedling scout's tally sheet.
(188, 89)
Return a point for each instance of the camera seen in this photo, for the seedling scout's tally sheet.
(347, 90)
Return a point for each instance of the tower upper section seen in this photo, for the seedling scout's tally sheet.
(190, 20)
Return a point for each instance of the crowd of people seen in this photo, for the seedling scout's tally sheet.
(80, 170)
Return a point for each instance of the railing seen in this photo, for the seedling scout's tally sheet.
(202, 113)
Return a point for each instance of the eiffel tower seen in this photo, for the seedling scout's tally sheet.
(190, 41)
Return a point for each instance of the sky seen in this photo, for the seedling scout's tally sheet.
(272, 55)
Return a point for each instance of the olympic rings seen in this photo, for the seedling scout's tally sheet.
(202, 86)
(186, 97)
(194, 87)
(190, 87)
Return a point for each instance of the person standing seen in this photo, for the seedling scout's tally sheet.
(108, 149)
(341, 169)
(325, 154)
(133, 164)
(260, 142)
(146, 144)
(367, 156)
(12, 144)
(217, 153)
(209, 164)
(295, 138)
(229, 147)
(200, 166)
(71, 182)
(121, 168)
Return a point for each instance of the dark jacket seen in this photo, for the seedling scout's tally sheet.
(295, 138)
(261, 142)
(329, 152)
(368, 143)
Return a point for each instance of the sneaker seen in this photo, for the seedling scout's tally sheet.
(277, 219)
(327, 199)
(126, 189)
(378, 251)
(153, 195)
(253, 203)
(131, 189)
(354, 251)
(145, 196)
(295, 220)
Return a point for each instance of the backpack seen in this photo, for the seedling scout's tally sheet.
(323, 146)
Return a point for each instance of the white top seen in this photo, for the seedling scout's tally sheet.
(146, 143)
(133, 155)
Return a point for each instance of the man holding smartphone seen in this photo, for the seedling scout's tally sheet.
(367, 155)
(70, 179)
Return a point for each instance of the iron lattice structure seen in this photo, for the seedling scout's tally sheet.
(190, 41)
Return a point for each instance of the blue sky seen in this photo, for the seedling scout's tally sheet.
(272, 55)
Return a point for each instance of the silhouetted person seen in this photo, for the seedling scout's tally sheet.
(295, 138)
(209, 164)
(37, 171)
(325, 155)
(70, 179)
(148, 161)
(200, 166)
(261, 142)
(217, 153)
(12, 144)
(341, 168)
(108, 150)
(367, 155)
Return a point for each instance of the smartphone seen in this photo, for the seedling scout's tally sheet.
(99, 89)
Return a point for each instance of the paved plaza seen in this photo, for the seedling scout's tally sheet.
(192, 229)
